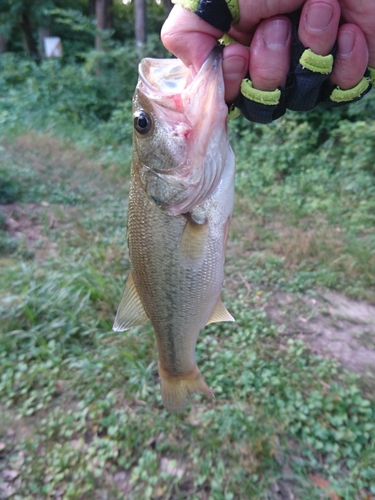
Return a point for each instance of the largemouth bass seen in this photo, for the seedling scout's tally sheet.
(180, 205)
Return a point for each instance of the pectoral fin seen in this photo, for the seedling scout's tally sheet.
(130, 312)
(194, 243)
(220, 313)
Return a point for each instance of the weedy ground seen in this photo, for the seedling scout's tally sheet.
(81, 412)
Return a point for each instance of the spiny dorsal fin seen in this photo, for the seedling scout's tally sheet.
(220, 313)
(130, 312)
(193, 244)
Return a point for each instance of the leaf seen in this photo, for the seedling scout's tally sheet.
(323, 484)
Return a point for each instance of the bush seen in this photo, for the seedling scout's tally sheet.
(9, 189)
(56, 92)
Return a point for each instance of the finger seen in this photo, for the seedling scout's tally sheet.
(270, 54)
(253, 11)
(188, 37)
(318, 25)
(235, 68)
(352, 57)
(240, 37)
(362, 13)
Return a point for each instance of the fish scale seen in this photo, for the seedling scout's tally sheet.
(167, 284)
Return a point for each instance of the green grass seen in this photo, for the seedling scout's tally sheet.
(89, 398)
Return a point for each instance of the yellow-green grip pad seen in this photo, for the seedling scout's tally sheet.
(339, 95)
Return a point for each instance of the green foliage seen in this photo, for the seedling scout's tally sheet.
(354, 143)
(329, 141)
(75, 28)
(317, 167)
(74, 22)
(7, 245)
(96, 94)
(9, 189)
(75, 91)
(9, 193)
(37, 13)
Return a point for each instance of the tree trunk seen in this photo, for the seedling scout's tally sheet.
(30, 42)
(140, 24)
(109, 15)
(168, 6)
(43, 32)
(103, 13)
(92, 7)
(3, 44)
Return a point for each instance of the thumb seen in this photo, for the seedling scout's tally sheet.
(188, 37)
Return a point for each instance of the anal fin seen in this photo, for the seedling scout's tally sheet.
(220, 313)
(130, 312)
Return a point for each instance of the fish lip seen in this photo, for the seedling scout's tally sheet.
(171, 76)
(214, 57)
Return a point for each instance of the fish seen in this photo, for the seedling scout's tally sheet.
(180, 206)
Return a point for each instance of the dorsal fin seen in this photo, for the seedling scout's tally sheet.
(130, 312)
(220, 313)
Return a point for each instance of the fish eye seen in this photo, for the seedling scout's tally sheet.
(142, 122)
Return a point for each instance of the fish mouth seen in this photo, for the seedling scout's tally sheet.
(163, 76)
(188, 105)
(163, 81)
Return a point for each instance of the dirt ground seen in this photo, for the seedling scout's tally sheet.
(331, 324)
(28, 224)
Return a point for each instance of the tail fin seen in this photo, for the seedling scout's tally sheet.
(176, 390)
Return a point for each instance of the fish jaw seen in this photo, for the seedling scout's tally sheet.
(191, 114)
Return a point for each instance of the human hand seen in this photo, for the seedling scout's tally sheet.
(264, 28)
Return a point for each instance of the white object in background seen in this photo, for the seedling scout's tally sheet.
(52, 46)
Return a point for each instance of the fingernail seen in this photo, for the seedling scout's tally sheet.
(235, 66)
(319, 16)
(275, 33)
(346, 43)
